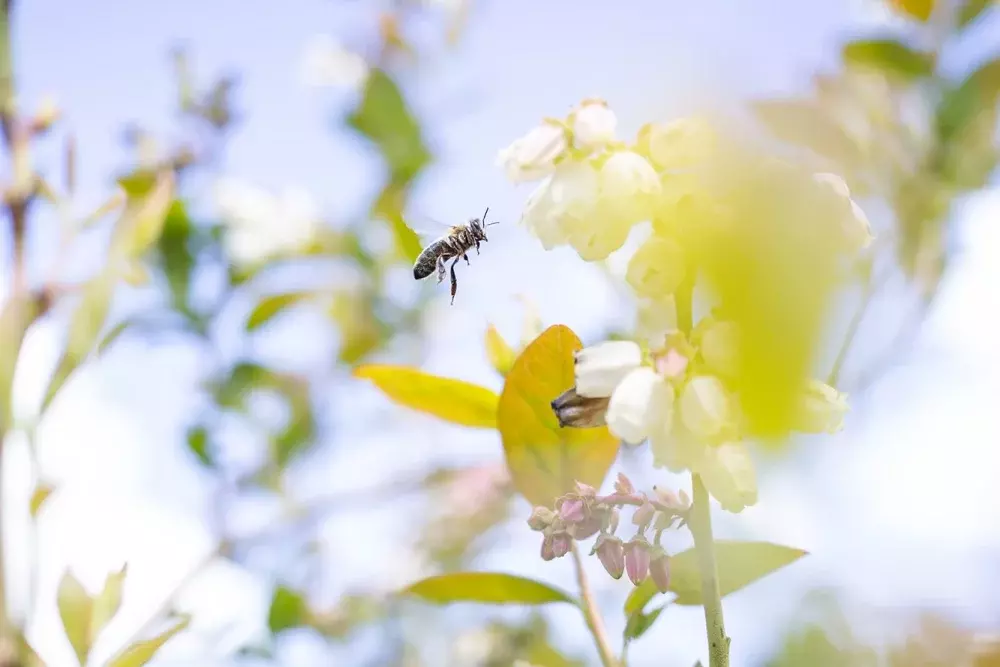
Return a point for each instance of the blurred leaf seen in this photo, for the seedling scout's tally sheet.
(639, 622)
(140, 653)
(145, 211)
(971, 10)
(29, 656)
(301, 428)
(84, 329)
(197, 442)
(384, 119)
(974, 97)
(807, 124)
(500, 354)
(361, 332)
(487, 588)
(452, 400)
(175, 253)
(739, 564)
(918, 9)
(108, 602)
(75, 607)
(545, 460)
(16, 316)
(39, 496)
(112, 335)
(242, 378)
(288, 610)
(890, 56)
(389, 206)
(270, 306)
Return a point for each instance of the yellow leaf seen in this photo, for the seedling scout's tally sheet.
(39, 496)
(75, 607)
(452, 400)
(544, 459)
(140, 653)
(107, 602)
(501, 355)
(918, 9)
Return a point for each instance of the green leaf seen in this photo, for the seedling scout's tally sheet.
(639, 622)
(107, 602)
(971, 10)
(270, 306)
(890, 56)
(145, 213)
(197, 442)
(140, 653)
(974, 97)
(16, 316)
(921, 10)
(75, 608)
(84, 329)
(487, 588)
(452, 400)
(546, 461)
(389, 206)
(384, 119)
(39, 496)
(176, 254)
(739, 565)
(112, 335)
(288, 610)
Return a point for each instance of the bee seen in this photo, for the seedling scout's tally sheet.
(453, 246)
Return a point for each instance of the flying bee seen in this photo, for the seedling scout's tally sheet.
(453, 246)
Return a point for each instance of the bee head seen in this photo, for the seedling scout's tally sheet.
(479, 225)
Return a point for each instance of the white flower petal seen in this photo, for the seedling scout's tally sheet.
(705, 406)
(719, 347)
(533, 156)
(655, 319)
(821, 409)
(327, 63)
(642, 402)
(657, 267)
(593, 124)
(679, 144)
(629, 188)
(835, 182)
(599, 368)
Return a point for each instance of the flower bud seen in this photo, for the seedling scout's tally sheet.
(856, 228)
(548, 548)
(643, 515)
(534, 155)
(572, 510)
(666, 496)
(593, 124)
(611, 553)
(705, 406)
(641, 403)
(586, 528)
(821, 409)
(655, 320)
(585, 491)
(563, 202)
(575, 411)
(657, 267)
(637, 559)
(673, 364)
(614, 519)
(561, 544)
(679, 144)
(541, 518)
(599, 368)
(630, 188)
(659, 568)
(623, 485)
(46, 116)
(719, 347)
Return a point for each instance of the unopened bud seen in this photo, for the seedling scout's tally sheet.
(666, 496)
(643, 515)
(561, 543)
(572, 510)
(585, 490)
(637, 559)
(659, 568)
(613, 520)
(611, 553)
(581, 530)
(541, 518)
(46, 116)
(623, 485)
(548, 548)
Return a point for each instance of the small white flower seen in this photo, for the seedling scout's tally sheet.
(533, 156)
(657, 267)
(563, 201)
(655, 319)
(855, 225)
(328, 64)
(719, 346)
(599, 368)
(821, 409)
(629, 188)
(641, 404)
(706, 407)
(729, 475)
(593, 124)
(679, 144)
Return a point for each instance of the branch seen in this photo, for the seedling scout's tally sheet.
(704, 544)
(591, 613)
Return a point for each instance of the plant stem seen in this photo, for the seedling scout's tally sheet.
(704, 544)
(592, 615)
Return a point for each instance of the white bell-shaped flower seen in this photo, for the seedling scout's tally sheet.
(720, 346)
(655, 319)
(630, 188)
(533, 156)
(642, 403)
(593, 124)
(679, 144)
(705, 406)
(600, 368)
(563, 202)
(821, 409)
(657, 267)
(856, 227)
(729, 475)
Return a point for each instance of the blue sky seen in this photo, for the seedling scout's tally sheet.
(859, 502)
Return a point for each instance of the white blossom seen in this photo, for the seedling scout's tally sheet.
(655, 318)
(601, 367)
(629, 188)
(855, 225)
(705, 406)
(327, 64)
(657, 267)
(593, 124)
(533, 156)
(563, 201)
(719, 346)
(640, 405)
(821, 409)
(261, 225)
(679, 144)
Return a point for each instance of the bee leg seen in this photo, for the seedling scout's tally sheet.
(440, 270)
(454, 280)
(466, 258)
(477, 247)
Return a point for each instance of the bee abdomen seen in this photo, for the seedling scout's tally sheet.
(425, 264)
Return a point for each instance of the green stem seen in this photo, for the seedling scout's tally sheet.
(704, 544)
(591, 613)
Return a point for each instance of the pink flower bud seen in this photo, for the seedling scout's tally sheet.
(644, 514)
(613, 521)
(548, 548)
(572, 510)
(541, 518)
(585, 490)
(637, 559)
(581, 530)
(623, 485)
(659, 569)
(611, 554)
(561, 543)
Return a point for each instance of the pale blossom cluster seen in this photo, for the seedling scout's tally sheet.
(327, 63)
(261, 225)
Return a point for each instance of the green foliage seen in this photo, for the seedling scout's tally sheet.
(271, 306)
(486, 588)
(546, 461)
(890, 56)
(75, 609)
(41, 493)
(500, 354)
(198, 443)
(971, 10)
(288, 610)
(141, 652)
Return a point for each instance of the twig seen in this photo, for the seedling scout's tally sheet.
(591, 613)
(704, 544)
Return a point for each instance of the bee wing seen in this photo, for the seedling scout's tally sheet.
(427, 228)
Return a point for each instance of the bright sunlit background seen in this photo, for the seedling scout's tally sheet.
(899, 511)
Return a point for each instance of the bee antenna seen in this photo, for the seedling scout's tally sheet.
(489, 224)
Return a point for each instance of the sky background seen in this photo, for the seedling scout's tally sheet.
(900, 509)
